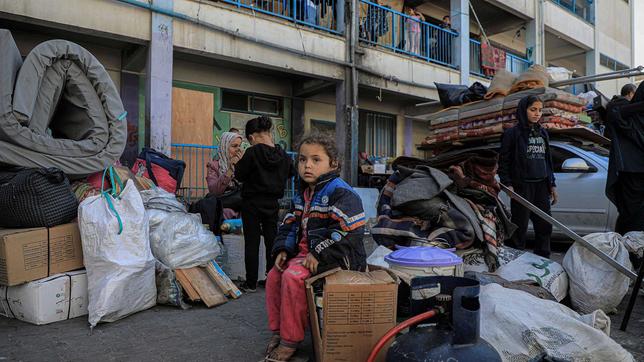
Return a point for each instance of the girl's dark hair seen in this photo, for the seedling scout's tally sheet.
(259, 124)
(531, 99)
(327, 143)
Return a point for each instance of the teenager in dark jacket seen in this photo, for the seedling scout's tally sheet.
(625, 183)
(325, 231)
(263, 172)
(525, 166)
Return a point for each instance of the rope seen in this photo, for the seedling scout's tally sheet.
(476, 17)
(111, 193)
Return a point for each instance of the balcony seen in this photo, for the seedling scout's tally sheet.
(321, 15)
(582, 8)
(401, 33)
(513, 63)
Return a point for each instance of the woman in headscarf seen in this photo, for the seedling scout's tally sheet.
(525, 166)
(221, 170)
(625, 183)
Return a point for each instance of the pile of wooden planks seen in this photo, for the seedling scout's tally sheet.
(208, 284)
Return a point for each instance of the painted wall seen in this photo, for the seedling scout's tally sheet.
(613, 18)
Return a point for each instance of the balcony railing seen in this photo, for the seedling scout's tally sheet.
(382, 26)
(318, 14)
(513, 63)
(585, 9)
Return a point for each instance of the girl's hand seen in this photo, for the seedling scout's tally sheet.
(554, 196)
(311, 263)
(280, 260)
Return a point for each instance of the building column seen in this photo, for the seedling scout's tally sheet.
(460, 17)
(341, 19)
(535, 36)
(408, 149)
(158, 100)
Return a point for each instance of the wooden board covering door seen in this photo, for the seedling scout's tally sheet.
(192, 123)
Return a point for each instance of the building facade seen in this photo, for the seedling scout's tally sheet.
(361, 70)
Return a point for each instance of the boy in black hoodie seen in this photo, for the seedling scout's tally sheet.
(263, 172)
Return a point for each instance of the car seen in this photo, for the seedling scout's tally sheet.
(581, 170)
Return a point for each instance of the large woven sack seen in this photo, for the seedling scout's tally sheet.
(35, 197)
(500, 85)
(535, 77)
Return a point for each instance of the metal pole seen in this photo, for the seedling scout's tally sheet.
(633, 72)
(612, 262)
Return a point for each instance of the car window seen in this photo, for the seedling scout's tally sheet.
(559, 155)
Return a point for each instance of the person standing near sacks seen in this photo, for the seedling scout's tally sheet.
(525, 166)
(263, 172)
(625, 183)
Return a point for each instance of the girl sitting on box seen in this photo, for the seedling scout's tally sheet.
(324, 231)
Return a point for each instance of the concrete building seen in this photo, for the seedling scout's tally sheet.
(188, 70)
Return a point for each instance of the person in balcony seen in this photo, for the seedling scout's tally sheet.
(443, 53)
(263, 172)
(412, 30)
(221, 174)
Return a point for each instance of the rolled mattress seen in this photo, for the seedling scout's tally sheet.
(58, 108)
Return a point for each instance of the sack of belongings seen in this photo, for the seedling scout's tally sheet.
(35, 197)
(522, 265)
(522, 327)
(116, 249)
(178, 239)
(594, 284)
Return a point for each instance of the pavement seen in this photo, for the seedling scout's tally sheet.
(235, 331)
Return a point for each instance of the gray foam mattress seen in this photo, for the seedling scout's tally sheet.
(58, 108)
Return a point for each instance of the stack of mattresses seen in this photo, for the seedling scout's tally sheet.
(489, 118)
(58, 108)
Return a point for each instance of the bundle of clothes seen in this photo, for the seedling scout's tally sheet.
(455, 208)
(490, 117)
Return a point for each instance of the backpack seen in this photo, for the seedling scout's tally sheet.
(164, 171)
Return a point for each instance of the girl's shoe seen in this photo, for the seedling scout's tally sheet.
(281, 354)
(273, 343)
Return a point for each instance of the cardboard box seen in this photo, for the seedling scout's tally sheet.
(65, 249)
(23, 255)
(52, 299)
(357, 310)
(31, 254)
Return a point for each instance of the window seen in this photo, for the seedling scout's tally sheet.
(611, 63)
(236, 101)
(326, 128)
(377, 134)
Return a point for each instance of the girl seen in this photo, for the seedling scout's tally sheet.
(526, 168)
(325, 231)
(221, 171)
(412, 44)
(263, 171)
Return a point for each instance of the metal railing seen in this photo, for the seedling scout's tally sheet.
(584, 9)
(513, 63)
(382, 26)
(318, 14)
(194, 185)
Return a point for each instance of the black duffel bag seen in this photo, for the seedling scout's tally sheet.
(35, 197)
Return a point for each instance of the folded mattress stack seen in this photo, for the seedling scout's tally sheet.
(489, 118)
(58, 108)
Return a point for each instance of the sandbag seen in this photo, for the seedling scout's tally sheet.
(522, 265)
(522, 327)
(535, 77)
(116, 251)
(59, 108)
(500, 85)
(594, 284)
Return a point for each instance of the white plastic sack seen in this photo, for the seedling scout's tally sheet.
(179, 240)
(522, 327)
(161, 199)
(634, 242)
(594, 284)
(522, 265)
(120, 267)
(558, 74)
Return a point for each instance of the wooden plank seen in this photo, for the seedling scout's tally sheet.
(187, 287)
(224, 282)
(208, 291)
